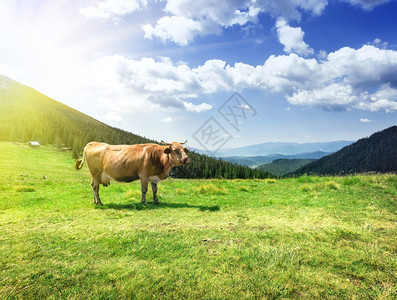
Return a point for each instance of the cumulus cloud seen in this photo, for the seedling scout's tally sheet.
(346, 79)
(189, 106)
(188, 19)
(385, 98)
(330, 97)
(223, 12)
(349, 78)
(292, 38)
(147, 84)
(178, 29)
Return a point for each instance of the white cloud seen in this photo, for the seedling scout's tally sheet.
(343, 79)
(213, 76)
(385, 98)
(188, 19)
(330, 97)
(178, 29)
(197, 108)
(366, 121)
(166, 120)
(292, 38)
(223, 12)
(286, 73)
(112, 8)
(382, 104)
(385, 92)
(346, 79)
(146, 84)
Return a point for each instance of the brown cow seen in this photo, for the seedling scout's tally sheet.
(126, 163)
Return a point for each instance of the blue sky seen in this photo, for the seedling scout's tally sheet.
(307, 70)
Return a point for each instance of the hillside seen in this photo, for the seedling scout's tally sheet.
(29, 115)
(280, 167)
(377, 153)
(26, 115)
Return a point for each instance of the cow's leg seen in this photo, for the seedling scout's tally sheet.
(154, 189)
(144, 185)
(95, 191)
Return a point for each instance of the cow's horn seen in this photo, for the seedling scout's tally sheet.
(184, 142)
(164, 143)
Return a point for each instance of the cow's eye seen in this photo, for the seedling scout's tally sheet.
(178, 152)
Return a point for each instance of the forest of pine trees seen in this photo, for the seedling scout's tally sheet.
(202, 166)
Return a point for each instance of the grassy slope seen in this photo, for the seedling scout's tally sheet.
(312, 237)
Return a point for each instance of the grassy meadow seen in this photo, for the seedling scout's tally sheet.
(307, 237)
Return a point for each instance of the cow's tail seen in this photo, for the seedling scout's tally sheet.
(79, 162)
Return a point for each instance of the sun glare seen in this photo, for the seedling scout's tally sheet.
(43, 42)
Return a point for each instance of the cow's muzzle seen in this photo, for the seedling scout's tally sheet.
(186, 161)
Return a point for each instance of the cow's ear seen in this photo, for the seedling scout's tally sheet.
(167, 150)
(186, 150)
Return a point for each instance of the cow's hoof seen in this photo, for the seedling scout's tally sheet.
(143, 203)
(157, 202)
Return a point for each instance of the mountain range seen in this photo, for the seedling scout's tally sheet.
(284, 148)
(377, 153)
(264, 153)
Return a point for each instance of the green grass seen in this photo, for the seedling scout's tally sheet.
(310, 237)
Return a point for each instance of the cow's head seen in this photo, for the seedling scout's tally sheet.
(178, 153)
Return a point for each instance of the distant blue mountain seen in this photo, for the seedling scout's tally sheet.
(281, 148)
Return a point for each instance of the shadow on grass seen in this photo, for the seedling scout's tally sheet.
(151, 206)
